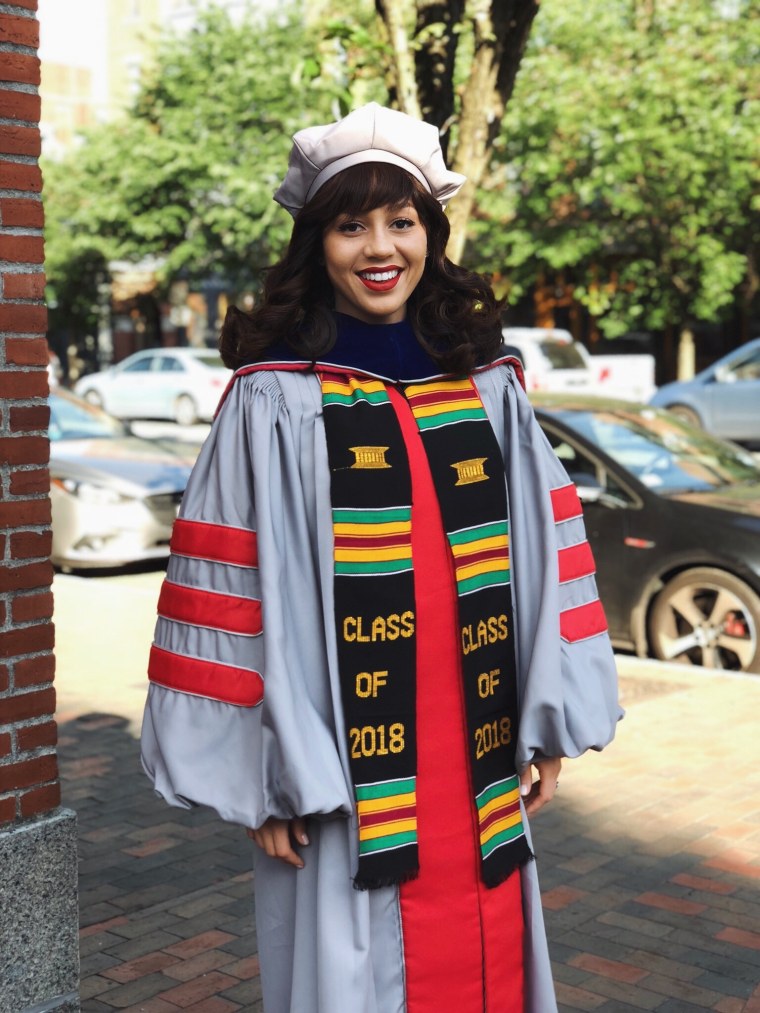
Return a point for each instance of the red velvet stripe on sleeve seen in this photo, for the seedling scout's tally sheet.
(565, 503)
(215, 542)
(210, 679)
(582, 622)
(575, 561)
(210, 609)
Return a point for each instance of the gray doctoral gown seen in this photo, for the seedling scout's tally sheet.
(279, 750)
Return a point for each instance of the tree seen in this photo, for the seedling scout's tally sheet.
(627, 161)
(454, 63)
(187, 176)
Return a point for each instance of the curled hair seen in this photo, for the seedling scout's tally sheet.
(453, 312)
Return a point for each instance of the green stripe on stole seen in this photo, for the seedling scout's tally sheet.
(370, 488)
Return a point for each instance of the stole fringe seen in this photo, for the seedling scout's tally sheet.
(377, 882)
(495, 877)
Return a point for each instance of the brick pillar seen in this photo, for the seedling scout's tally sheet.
(39, 966)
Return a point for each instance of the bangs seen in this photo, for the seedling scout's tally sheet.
(363, 188)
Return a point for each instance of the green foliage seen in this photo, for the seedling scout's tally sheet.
(187, 176)
(627, 161)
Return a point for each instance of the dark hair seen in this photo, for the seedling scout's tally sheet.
(453, 312)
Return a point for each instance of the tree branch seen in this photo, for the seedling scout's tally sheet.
(437, 41)
(501, 29)
(392, 15)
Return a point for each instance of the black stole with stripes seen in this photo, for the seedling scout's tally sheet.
(371, 499)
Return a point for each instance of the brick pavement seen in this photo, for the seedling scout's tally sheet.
(649, 862)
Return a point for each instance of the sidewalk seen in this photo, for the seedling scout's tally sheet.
(649, 861)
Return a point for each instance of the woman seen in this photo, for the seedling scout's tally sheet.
(344, 661)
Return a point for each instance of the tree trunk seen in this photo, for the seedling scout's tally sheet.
(437, 39)
(686, 354)
(392, 13)
(501, 29)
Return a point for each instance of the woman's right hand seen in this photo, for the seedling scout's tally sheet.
(275, 837)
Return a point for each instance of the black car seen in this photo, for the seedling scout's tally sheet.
(673, 517)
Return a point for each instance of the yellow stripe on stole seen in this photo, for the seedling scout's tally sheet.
(485, 566)
(384, 829)
(367, 530)
(367, 555)
(347, 389)
(426, 410)
(495, 542)
(378, 805)
(497, 803)
(442, 387)
(498, 826)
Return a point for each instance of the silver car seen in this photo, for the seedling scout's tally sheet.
(114, 496)
(724, 399)
(183, 384)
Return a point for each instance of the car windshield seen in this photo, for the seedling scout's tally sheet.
(76, 420)
(664, 453)
(562, 355)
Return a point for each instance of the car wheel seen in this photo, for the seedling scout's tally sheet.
(686, 414)
(708, 617)
(185, 411)
(92, 397)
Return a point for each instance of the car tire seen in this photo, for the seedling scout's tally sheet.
(706, 616)
(93, 397)
(185, 411)
(686, 414)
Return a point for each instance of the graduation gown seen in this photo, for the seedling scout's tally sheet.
(244, 709)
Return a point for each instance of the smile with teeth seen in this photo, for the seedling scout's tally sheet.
(380, 280)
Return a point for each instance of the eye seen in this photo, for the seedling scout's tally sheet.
(350, 228)
(402, 224)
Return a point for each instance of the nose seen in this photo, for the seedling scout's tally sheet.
(378, 244)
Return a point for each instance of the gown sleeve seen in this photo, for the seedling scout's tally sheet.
(239, 715)
(567, 680)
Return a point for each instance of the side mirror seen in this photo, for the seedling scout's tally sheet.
(589, 493)
(724, 374)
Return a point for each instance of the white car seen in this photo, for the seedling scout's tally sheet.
(552, 360)
(183, 384)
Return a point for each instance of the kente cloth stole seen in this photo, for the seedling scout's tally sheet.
(371, 496)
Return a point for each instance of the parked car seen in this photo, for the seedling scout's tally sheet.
(184, 384)
(114, 496)
(673, 518)
(552, 360)
(724, 399)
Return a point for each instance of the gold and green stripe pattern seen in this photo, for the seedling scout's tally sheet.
(481, 556)
(387, 815)
(499, 815)
(352, 389)
(373, 542)
(445, 403)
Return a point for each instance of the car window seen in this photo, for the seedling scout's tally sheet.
(581, 468)
(562, 355)
(77, 420)
(170, 364)
(143, 365)
(664, 453)
(747, 369)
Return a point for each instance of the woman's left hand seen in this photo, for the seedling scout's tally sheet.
(535, 794)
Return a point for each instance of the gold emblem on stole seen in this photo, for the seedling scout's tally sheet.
(369, 457)
(470, 471)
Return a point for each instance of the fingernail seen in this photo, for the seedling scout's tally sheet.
(304, 839)
(524, 789)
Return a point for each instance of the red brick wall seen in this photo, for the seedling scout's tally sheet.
(28, 764)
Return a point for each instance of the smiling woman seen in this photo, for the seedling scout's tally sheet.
(336, 661)
(374, 262)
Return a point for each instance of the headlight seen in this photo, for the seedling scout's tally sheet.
(87, 492)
